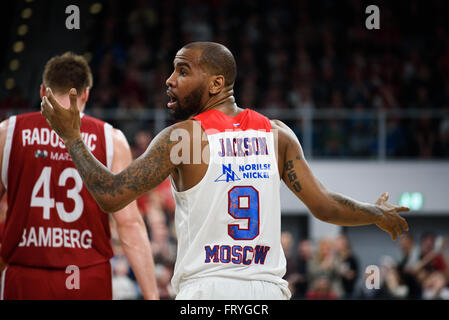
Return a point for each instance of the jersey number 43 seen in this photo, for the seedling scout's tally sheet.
(46, 202)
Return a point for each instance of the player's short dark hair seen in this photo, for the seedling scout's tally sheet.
(216, 59)
(67, 71)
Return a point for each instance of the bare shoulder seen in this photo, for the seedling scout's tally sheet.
(163, 142)
(4, 125)
(284, 132)
(119, 139)
(3, 131)
(286, 138)
(172, 134)
(275, 123)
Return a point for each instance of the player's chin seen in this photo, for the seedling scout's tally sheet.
(177, 114)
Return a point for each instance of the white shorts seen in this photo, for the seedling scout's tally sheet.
(231, 289)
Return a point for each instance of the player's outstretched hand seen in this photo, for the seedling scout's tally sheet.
(391, 221)
(65, 122)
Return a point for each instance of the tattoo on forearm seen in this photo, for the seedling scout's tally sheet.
(291, 174)
(355, 205)
(145, 173)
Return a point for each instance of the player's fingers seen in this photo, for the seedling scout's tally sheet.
(46, 107)
(382, 199)
(403, 223)
(388, 229)
(52, 99)
(73, 97)
(398, 229)
(393, 235)
(402, 209)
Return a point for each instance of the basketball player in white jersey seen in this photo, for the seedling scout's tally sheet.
(225, 164)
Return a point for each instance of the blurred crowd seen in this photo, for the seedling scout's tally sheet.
(292, 55)
(330, 269)
(295, 55)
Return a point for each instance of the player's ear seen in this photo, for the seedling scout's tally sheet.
(42, 90)
(217, 84)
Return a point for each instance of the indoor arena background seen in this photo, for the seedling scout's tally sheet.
(369, 106)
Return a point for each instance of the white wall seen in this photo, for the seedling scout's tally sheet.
(366, 181)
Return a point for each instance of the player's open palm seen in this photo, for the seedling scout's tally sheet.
(391, 221)
(65, 122)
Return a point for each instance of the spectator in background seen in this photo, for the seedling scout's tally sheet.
(274, 99)
(435, 286)
(409, 258)
(334, 137)
(140, 52)
(426, 137)
(430, 259)
(444, 135)
(142, 18)
(164, 272)
(141, 141)
(164, 250)
(14, 101)
(123, 287)
(299, 278)
(396, 139)
(287, 245)
(324, 263)
(321, 289)
(361, 137)
(392, 286)
(347, 265)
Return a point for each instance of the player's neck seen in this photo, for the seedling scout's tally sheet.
(225, 103)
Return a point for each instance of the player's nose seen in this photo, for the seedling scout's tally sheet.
(170, 82)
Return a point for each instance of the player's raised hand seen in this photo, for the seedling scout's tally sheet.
(391, 221)
(65, 122)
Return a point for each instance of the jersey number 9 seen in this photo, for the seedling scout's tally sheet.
(243, 203)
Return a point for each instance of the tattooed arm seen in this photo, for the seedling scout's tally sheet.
(114, 191)
(324, 204)
(111, 191)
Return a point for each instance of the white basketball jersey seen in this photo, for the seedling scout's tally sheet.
(229, 224)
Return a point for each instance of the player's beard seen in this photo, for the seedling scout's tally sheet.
(191, 105)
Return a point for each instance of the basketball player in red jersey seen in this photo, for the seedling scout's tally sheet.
(219, 255)
(56, 242)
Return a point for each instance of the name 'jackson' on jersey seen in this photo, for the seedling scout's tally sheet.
(50, 212)
(228, 225)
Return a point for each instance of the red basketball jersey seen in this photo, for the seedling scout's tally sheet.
(52, 221)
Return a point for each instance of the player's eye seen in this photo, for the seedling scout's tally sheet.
(183, 72)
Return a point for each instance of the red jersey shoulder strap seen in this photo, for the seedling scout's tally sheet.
(217, 121)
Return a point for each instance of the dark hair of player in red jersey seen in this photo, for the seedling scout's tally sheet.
(194, 64)
(67, 71)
